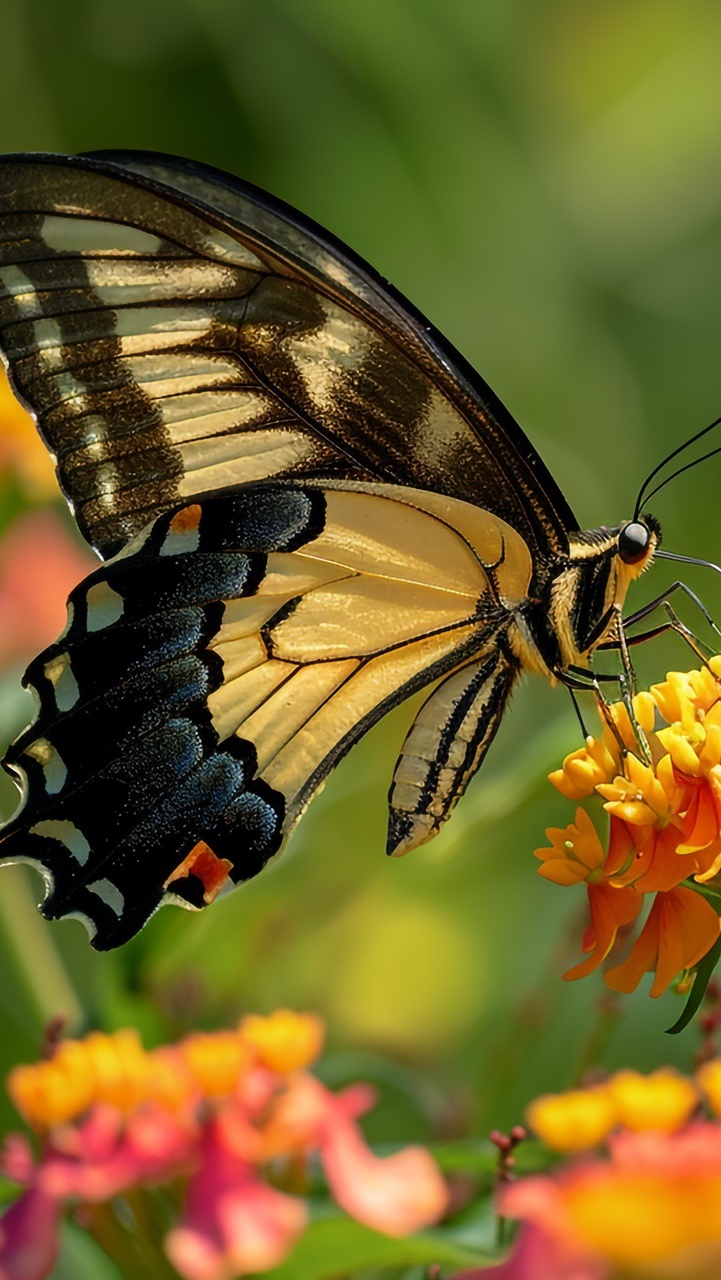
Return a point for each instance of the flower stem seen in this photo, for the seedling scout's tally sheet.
(31, 951)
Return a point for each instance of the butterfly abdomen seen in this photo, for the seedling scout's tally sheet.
(447, 744)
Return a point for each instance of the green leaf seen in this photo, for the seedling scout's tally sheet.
(339, 1247)
(81, 1258)
(704, 971)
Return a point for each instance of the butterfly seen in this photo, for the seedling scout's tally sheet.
(307, 505)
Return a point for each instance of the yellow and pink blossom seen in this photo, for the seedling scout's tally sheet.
(662, 840)
(226, 1115)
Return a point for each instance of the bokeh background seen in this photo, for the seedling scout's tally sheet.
(544, 181)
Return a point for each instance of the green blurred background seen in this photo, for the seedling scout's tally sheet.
(543, 180)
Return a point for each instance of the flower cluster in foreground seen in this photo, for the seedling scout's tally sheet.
(641, 1196)
(228, 1119)
(664, 829)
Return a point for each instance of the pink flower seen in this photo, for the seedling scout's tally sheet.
(92, 1162)
(233, 1223)
(108, 1153)
(29, 1236)
(40, 563)
(398, 1195)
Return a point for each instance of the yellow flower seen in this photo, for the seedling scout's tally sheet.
(642, 796)
(117, 1071)
(684, 694)
(709, 1080)
(109, 1069)
(573, 1121)
(284, 1041)
(584, 769)
(215, 1061)
(663, 1100)
(648, 1204)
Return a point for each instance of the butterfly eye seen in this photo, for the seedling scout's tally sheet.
(633, 542)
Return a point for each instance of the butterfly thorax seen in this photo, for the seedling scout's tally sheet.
(579, 605)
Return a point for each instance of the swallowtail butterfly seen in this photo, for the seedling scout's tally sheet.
(307, 506)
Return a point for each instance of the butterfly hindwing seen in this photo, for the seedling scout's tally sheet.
(213, 673)
(178, 333)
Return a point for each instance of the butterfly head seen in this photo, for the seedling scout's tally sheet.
(637, 542)
(587, 589)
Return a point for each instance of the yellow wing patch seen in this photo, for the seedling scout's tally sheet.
(383, 600)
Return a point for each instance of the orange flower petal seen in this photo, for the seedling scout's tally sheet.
(610, 909)
(702, 824)
(681, 928)
(576, 851)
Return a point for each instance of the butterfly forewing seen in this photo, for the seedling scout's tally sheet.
(179, 340)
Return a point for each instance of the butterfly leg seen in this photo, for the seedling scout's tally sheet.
(662, 600)
(627, 682)
(674, 624)
(579, 714)
(578, 679)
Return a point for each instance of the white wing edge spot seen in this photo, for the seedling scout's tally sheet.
(67, 834)
(110, 894)
(104, 605)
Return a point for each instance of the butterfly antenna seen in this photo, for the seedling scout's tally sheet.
(704, 457)
(643, 495)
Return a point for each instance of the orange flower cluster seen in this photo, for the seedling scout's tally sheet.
(228, 1115)
(664, 829)
(647, 1204)
(117, 1071)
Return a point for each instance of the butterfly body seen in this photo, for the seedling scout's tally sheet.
(309, 508)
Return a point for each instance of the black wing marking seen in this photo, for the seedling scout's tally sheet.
(213, 673)
(177, 332)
